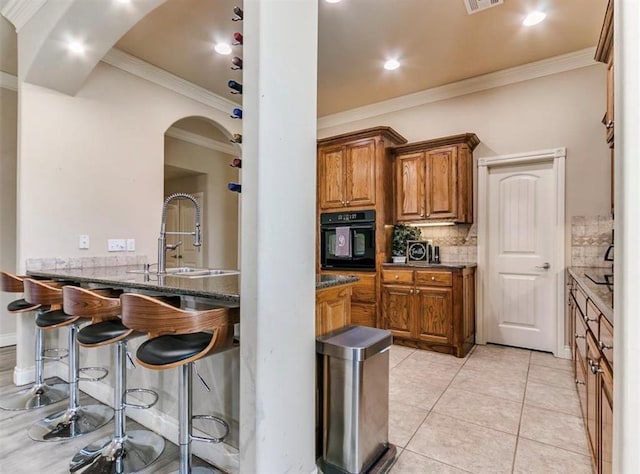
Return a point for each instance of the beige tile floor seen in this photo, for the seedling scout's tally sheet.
(499, 410)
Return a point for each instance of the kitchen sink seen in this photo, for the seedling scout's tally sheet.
(191, 272)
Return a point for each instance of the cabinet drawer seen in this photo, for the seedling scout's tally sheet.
(581, 338)
(364, 290)
(593, 317)
(605, 340)
(580, 300)
(397, 276)
(433, 278)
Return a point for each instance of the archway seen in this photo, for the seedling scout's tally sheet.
(197, 158)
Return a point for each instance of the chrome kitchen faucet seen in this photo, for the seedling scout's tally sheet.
(162, 241)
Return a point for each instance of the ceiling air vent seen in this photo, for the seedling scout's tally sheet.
(475, 6)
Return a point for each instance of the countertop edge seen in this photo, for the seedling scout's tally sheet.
(419, 265)
(578, 274)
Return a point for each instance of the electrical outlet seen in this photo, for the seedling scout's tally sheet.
(131, 244)
(117, 245)
(83, 242)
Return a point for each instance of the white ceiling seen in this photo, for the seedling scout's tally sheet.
(436, 41)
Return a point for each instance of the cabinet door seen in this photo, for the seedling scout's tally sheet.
(333, 309)
(434, 314)
(331, 171)
(397, 310)
(441, 183)
(360, 173)
(593, 388)
(363, 314)
(409, 176)
(606, 421)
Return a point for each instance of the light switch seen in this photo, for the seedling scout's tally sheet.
(131, 244)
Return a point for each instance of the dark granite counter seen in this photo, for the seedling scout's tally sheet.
(222, 288)
(444, 266)
(601, 295)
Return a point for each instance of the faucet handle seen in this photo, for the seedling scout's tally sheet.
(174, 246)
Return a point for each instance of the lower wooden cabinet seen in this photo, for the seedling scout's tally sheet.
(593, 361)
(364, 307)
(333, 308)
(430, 309)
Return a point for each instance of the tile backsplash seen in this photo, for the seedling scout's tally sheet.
(590, 238)
(61, 263)
(458, 243)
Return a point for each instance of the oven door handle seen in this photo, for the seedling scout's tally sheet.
(358, 227)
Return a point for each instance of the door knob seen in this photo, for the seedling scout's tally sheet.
(545, 266)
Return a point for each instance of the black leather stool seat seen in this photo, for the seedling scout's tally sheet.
(21, 305)
(101, 332)
(53, 318)
(171, 348)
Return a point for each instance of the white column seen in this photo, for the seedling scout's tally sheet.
(626, 409)
(277, 344)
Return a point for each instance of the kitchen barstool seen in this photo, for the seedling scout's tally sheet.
(76, 420)
(40, 394)
(177, 338)
(123, 452)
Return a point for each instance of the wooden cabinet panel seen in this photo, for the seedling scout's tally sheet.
(333, 308)
(433, 278)
(364, 290)
(331, 171)
(606, 420)
(581, 383)
(434, 313)
(397, 307)
(360, 175)
(441, 183)
(434, 179)
(363, 314)
(410, 189)
(592, 359)
(397, 276)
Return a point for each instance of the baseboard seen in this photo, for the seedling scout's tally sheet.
(565, 353)
(26, 375)
(8, 339)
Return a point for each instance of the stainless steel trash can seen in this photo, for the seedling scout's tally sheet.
(355, 398)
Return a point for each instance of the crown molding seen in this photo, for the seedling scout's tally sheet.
(545, 67)
(194, 138)
(19, 12)
(8, 81)
(149, 72)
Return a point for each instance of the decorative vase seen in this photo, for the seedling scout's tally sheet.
(399, 259)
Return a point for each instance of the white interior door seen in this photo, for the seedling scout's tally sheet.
(520, 305)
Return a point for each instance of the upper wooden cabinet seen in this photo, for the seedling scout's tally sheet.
(352, 167)
(434, 179)
(604, 54)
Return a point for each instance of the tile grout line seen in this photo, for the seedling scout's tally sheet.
(524, 397)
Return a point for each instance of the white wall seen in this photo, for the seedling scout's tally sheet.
(560, 110)
(93, 163)
(8, 163)
(220, 220)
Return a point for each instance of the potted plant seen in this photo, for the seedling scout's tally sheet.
(401, 235)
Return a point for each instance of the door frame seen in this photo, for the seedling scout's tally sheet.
(556, 156)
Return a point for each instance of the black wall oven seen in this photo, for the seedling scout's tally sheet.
(348, 241)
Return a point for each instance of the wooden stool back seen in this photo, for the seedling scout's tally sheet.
(11, 283)
(43, 292)
(99, 305)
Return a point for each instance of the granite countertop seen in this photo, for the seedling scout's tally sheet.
(601, 295)
(221, 287)
(444, 266)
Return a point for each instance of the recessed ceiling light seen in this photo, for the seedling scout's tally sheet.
(76, 47)
(123, 1)
(534, 18)
(222, 48)
(391, 64)
(332, 1)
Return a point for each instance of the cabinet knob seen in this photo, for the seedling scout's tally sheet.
(417, 292)
(422, 214)
(396, 276)
(609, 124)
(433, 278)
(578, 336)
(410, 292)
(348, 202)
(578, 382)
